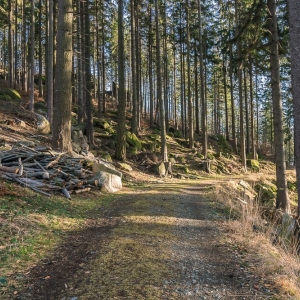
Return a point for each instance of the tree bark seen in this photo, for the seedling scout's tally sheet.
(50, 79)
(190, 103)
(164, 153)
(61, 138)
(121, 133)
(282, 200)
(294, 22)
(32, 59)
(202, 87)
(88, 81)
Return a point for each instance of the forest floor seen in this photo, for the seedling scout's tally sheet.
(157, 238)
(159, 241)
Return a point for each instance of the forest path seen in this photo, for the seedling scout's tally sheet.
(163, 241)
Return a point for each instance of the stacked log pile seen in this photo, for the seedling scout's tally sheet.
(46, 171)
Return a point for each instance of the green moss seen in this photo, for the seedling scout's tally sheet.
(15, 96)
(292, 186)
(210, 156)
(253, 164)
(41, 106)
(266, 193)
(199, 155)
(5, 97)
(106, 156)
(133, 141)
(182, 159)
(185, 169)
(178, 134)
(133, 150)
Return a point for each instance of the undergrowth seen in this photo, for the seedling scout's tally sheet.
(266, 240)
(31, 225)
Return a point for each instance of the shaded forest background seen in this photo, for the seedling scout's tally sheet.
(203, 67)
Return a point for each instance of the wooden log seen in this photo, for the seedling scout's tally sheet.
(66, 193)
(55, 161)
(39, 165)
(9, 169)
(44, 175)
(81, 190)
(21, 167)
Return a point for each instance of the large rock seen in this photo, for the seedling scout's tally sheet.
(107, 178)
(160, 169)
(133, 141)
(79, 140)
(106, 182)
(101, 167)
(43, 125)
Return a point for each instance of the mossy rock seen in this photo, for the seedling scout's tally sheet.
(80, 126)
(109, 130)
(133, 150)
(101, 123)
(133, 141)
(253, 164)
(5, 97)
(14, 95)
(40, 107)
(160, 169)
(210, 156)
(266, 192)
(171, 134)
(172, 160)
(181, 160)
(185, 169)
(155, 137)
(292, 186)
(125, 166)
(178, 134)
(199, 155)
(106, 156)
(151, 146)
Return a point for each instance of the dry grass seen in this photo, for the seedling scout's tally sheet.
(246, 229)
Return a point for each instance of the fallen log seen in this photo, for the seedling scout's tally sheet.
(9, 169)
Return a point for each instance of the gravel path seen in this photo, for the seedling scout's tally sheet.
(153, 243)
(209, 269)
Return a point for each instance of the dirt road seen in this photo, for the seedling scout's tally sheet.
(156, 242)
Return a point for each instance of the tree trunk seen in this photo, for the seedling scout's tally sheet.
(281, 181)
(32, 59)
(253, 146)
(50, 84)
(134, 122)
(294, 22)
(246, 113)
(10, 45)
(24, 48)
(121, 133)
(190, 103)
(61, 138)
(196, 94)
(240, 87)
(164, 153)
(202, 87)
(40, 82)
(88, 81)
(151, 100)
(225, 100)
(232, 102)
